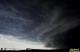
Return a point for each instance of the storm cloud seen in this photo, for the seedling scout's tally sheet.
(43, 21)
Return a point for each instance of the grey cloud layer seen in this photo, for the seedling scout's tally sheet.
(37, 20)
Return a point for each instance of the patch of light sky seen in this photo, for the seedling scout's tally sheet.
(8, 41)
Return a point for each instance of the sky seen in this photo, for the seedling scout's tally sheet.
(11, 42)
(38, 24)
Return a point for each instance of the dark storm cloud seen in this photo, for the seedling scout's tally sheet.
(19, 18)
(38, 20)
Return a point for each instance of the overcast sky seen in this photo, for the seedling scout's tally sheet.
(37, 24)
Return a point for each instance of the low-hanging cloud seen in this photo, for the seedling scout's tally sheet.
(38, 21)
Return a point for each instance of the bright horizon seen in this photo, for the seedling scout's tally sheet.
(14, 42)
